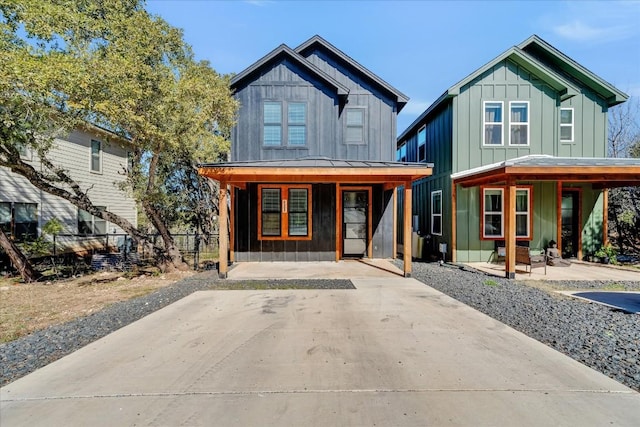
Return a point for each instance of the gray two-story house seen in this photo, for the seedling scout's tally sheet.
(312, 174)
(519, 149)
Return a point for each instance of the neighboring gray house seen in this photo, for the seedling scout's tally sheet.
(312, 170)
(518, 147)
(97, 160)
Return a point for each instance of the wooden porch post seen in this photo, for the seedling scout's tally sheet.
(510, 229)
(223, 234)
(338, 223)
(232, 255)
(559, 215)
(395, 224)
(407, 228)
(605, 220)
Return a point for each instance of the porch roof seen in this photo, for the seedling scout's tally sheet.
(316, 170)
(603, 172)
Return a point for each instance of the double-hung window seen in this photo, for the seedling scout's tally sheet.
(19, 220)
(422, 144)
(493, 123)
(493, 213)
(436, 213)
(89, 224)
(284, 212)
(566, 124)
(96, 156)
(519, 123)
(272, 129)
(355, 122)
(297, 123)
(401, 153)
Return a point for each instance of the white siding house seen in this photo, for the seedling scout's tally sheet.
(95, 161)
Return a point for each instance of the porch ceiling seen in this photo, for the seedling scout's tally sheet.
(603, 173)
(317, 171)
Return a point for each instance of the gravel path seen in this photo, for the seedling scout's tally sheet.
(602, 338)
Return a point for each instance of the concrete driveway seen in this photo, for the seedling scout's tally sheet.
(392, 352)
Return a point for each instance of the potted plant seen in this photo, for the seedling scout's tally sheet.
(606, 254)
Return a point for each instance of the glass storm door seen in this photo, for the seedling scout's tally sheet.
(354, 223)
(570, 224)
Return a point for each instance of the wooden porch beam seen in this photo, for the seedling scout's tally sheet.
(407, 228)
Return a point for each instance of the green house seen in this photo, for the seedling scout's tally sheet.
(519, 148)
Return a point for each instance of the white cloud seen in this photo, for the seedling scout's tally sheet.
(415, 107)
(580, 31)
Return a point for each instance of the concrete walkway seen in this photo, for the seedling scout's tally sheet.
(392, 352)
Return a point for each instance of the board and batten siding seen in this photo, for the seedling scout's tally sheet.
(74, 154)
(326, 119)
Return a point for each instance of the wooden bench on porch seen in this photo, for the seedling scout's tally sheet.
(523, 256)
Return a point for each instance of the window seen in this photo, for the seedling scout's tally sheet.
(284, 212)
(401, 153)
(436, 213)
(519, 123)
(19, 220)
(422, 144)
(492, 216)
(355, 126)
(566, 124)
(272, 117)
(492, 123)
(297, 124)
(96, 156)
(493, 213)
(91, 225)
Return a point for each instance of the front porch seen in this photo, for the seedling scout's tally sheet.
(578, 270)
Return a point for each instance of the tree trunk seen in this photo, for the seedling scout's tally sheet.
(19, 261)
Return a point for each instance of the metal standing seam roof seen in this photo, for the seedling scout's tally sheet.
(542, 160)
(315, 162)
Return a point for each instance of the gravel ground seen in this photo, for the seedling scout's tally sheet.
(23, 356)
(600, 337)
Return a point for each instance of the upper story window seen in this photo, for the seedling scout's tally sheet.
(422, 144)
(519, 123)
(401, 153)
(272, 118)
(493, 123)
(96, 156)
(19, 220)
(355, 126)
(284, 212)
(297, 123)
(566, 124)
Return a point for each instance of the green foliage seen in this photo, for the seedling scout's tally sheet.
(41, 246)
(607, 251)
(490, 282)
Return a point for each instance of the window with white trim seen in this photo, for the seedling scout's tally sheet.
(519, 123)
(493, 213)
(492, 119)
(355, 125)
(566, 124)
(436, 213)
(284, 212)
(401, 153)
(91, 225)
(297, 123)
(96, 156)
(272, 124)
(422, 144)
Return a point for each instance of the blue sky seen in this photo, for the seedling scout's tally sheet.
(420, 47)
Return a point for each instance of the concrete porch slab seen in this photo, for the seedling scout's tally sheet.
(344, 269)
(576, 271)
